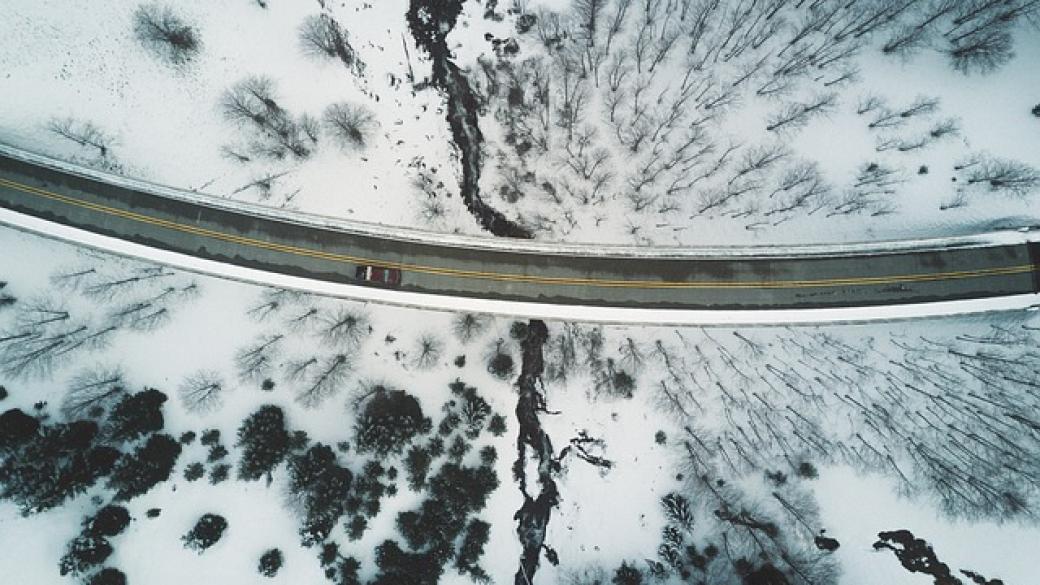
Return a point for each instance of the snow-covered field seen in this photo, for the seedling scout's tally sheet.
(631, 134)
(605, 514)
(726, 454)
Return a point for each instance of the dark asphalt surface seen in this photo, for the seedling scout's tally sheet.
(313, 251)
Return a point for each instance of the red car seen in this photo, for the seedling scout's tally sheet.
(378, 274)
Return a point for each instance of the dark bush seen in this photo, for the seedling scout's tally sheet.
(187, 438)
(488, 455)
(108, 576)
(16, 427)
(216, 453)
(219, 473)
(84, 553)
(207, 531)
(472, 548)
(417, 466)
(153, 512)
(356, 527)
(1036, 110)
(391, 419)
(194, 471)
(660, 438)
(497, 425)
(264, 441)
(60, 461)
(3, 390)
(270, 562)
(108, 521)
(210, 437)
(136, 415)
(627, 574)
(472, 408)
(141, 470)
(317, 479)
(518, 330)
(458, 449)
(807, 470)
(500, 364)
(397, 567)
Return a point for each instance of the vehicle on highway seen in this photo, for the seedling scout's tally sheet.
(379, 275)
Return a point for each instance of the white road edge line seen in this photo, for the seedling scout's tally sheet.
(605, 315)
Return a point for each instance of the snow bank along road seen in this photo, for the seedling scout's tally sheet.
(314, 247)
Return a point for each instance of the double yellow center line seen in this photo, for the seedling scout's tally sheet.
(505, 276)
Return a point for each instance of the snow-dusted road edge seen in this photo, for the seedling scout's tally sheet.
(1012, 235)
(607, 315)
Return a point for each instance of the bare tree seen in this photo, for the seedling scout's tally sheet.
(320, 34)
(256, 361)
(346, 327)
(325, 379)
(6, 300)
(83, 133)
(202, 392)
(982, 52)
(1006, 176)
(167, 35)
(252, 102)
(350, 124)
(92, 392)
(111, 285)
(44, 333)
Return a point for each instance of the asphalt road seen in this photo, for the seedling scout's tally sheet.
(308, 249)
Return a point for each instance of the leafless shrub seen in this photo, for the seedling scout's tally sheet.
(202, 392)
(321, 35)
(921, 105)
(303, 318)
(83, 133)
(428, 351)
(944, 128)
(167, 35)
(325, 378)
(869, 103)
(466, 326)
(273, 300)
(256, 361)
(796, 115)
(350, 124)
(92, 392)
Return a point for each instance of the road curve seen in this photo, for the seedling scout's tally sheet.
(330, 250)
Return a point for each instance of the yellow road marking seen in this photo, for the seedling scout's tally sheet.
(510, 277)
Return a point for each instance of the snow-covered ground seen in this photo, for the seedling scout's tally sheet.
(604, 516)
(165, 123)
